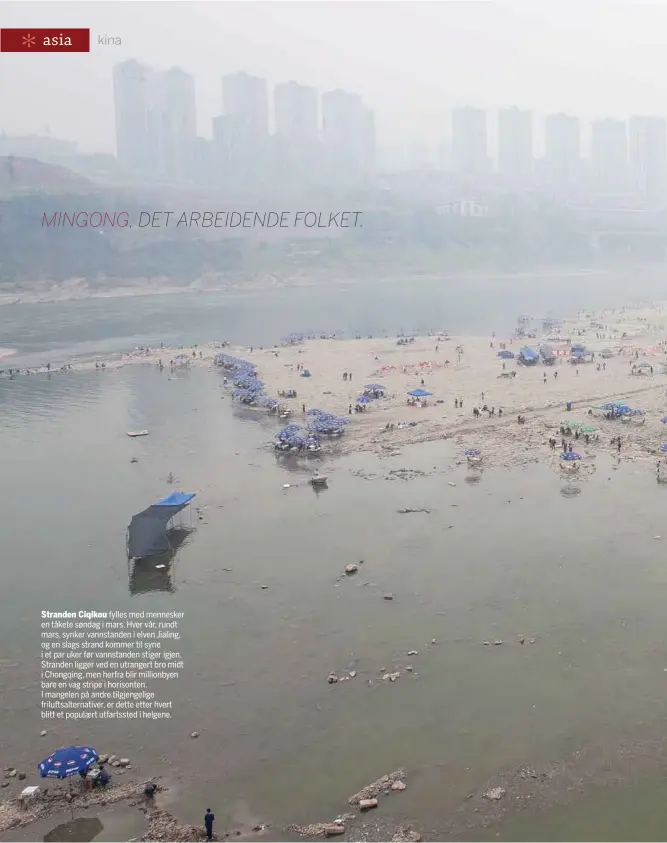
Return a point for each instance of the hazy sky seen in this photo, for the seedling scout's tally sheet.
(411, 61)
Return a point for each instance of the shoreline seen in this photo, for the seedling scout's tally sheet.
(78, 290)
(462, 374)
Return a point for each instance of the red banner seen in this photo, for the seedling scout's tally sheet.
(44, 40)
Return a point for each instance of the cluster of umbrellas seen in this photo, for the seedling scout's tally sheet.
(293, 436)
(371, 392)
(248, 389)
(326, 424)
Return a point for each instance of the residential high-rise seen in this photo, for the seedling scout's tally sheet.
(172, 124)
(245, 102)
(296, 113)
(132, 87)
(469, 141)
(609, 156)
(562, 151)
(515, 145)
(348, 138)
(155, 121)
(648, 157)
(246, 99)
(296, 140)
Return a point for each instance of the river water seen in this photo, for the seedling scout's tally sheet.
(267, 617)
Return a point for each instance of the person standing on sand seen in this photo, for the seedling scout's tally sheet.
(209, 819)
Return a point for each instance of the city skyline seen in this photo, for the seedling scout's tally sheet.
(548, 58)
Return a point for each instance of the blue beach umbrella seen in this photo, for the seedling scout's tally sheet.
(663, 447)
(570, 456)
(67, 762)
(664, 420)
(420, 393)
(473, 452)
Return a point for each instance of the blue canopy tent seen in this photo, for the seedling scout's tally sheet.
(473, 452)
(67, 762)
(570, 456)
(420, 393)
(528, 356)
(505, 354)
(147, 531)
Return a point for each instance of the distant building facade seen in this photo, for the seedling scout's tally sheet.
(648, 157)
(515, 146)
(562, 152)
(469, 141)
(609, 157)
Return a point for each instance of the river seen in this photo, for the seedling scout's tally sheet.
(267, 616)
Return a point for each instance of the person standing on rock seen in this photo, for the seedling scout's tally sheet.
(209, 819)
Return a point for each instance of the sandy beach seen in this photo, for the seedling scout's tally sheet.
(464, 373)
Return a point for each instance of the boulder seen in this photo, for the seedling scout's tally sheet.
(367, 804)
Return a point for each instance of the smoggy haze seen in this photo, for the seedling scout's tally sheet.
(411, 62)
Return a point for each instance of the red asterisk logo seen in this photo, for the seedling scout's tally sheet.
(28, 41)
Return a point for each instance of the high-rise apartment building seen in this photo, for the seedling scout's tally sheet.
(348, 137)
(609, 156)
(155, 121)
(469, 141)
(296, 147)
(515, 145)
(246, 99)
(245, 103)
(296, 113)
(562, 151)
(172, 124)
(132, 87)
(648, 157)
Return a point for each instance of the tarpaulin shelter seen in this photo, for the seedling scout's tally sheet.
(420, 393)
(147, 532)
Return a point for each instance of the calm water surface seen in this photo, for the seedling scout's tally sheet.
(504, 557)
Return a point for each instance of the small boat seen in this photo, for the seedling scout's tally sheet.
(318, 479)
(135, 433)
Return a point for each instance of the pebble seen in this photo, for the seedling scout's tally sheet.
(521, 639)
(352, 674)
(43, 733)
(194, 735)
(22, 776)
(334, 829)
(388, 597)
(123, 762)
(332, 679)
(11, 773)
(351, 568)
(112, 758)
(412, 653)
(495, 793)
(399, 785)
(103, 758)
